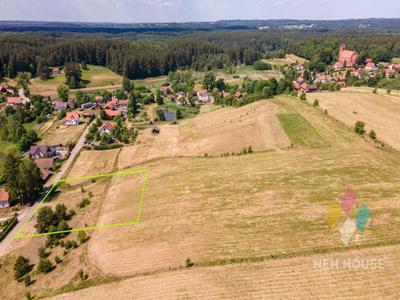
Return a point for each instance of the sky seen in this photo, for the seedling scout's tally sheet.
(134, 11)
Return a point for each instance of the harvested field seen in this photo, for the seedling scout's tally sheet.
(215, 132)
(259, 205)
(273, 279)
(380, 112)
(93, 163)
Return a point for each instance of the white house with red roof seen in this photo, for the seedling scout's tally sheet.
(107, 127)
(72, 118)
(14, 101)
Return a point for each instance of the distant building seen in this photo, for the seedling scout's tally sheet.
(44, 165)
(14, 101)
(204, 97)
(72, 118)
(107, 127)
(40, 151)
(165, 89)
(4, 198)
(113, 113)
(58, 105)
(56, 71)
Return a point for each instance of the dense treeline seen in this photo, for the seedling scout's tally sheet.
(201, 51)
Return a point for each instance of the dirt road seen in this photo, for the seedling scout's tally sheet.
(4, 245)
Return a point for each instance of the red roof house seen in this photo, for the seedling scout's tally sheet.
(14, 100)
(72, 118)
(4, 198)
(113, 113)
(107, 127)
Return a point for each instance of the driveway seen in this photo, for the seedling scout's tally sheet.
(25, 213)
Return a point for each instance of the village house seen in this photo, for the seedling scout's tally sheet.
(297, 84)
(45, 165)
(224, 94)
(203, 97)
(71, 102)
(56, 71)
(87, 105)
(40, 151)
(299, 67)
(98, 98)
(58, 105)
(107, 127)
(390, 73)
(308, 88)
(238, 95)
(72, 118)
(14, 101)
(4, 87)
(4, 198)
(180, 98)
(113, 113)
(370, 65)
(347, 58)
(166, 89)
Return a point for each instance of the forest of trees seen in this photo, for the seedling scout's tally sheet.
(154, 55)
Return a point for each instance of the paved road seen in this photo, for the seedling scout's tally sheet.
(4, 245)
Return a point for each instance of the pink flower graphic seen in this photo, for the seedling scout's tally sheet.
(347, 201)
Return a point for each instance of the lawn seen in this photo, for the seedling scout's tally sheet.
(300, 131)
(95, 76)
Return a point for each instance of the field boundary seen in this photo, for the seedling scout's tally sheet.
(18, 235)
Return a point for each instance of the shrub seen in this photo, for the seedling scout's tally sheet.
(372, 134)
(27, 280)
(82, 236)
(21, 267)
(81, 275)
(316, 102)
(375, 91)
(69, 244)
(260, 65)
(303, 96)
(42, 252)
(28, 295)
(57, 260)
(359, 127)
(84, 202)
(45, 266)
(189, 263)
(250, 149)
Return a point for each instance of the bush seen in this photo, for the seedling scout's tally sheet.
(303, 96)
(316, 102)
(81, 275)
(28, 295)
(82, 236)
(250, 149)
(260, 65)
(57, 260)
(42, 252)
(27, 280)
(84, 202)
(69, 244)
(21, 267)
(189, 263)
(107, 147)
(45, 266)
(359, 127)
(372, 134)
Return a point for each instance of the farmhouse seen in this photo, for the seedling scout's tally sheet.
(166, 89)
(14, 101)
(87, 105)
(98, 98)
(308, 88)
(107, 127)
(113, 113)
(3, 87)
(4, 198)
(347, 58)
(44, 165)
(40, 151)
(58, 105)
(56, 71)
(203, 97)
(72, 118)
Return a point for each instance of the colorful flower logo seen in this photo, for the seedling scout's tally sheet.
(350, 225)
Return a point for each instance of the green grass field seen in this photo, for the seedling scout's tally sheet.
(300, 131)
(95, 76)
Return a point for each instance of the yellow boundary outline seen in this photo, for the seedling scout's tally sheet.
(136, 221)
